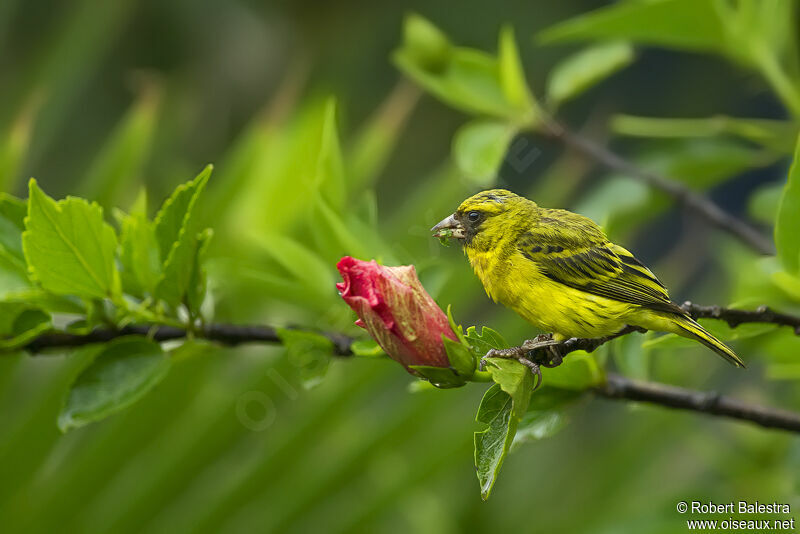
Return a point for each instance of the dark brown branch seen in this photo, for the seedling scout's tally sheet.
(620, 388)
(225, 334)
(232, 335)
(734, 318)
(616, 387)
(697, 203)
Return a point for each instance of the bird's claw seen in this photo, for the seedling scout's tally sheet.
(535, 371)
(515, 354)
(543, 341)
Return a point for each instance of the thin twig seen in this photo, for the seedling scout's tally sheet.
(620, 388)
(733, 317)
(696, 202)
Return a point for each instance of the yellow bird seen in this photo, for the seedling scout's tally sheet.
(559, 271)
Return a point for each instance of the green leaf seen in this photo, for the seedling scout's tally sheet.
(787, 223)
(13, 269)
(329, 176)
(782, 371)
(487, 340)
(421, 386)
(616, 194)
(493, 443)
(699, 163)
(502, 408)
(536, 425)
(15, 142)
(177, 210)
(333, 234)
(631, 357)
(579, 371)
(139, 256)
(49, 302)
(192, 349)
(788, 283)
(374, 144)
(441, 377)
(299, 260)
(122, 372)
(763, 36)
(467, 79)
(585, 69)
(460, 357)
(27, 326)
(198, 282)
(550, 397)
(176, 279)
(679, 24)
(20, 323)
(764, 203)
(512, 77)
(366, 348)
(425, 44)
(12, 224)
(718, 329)
(478, 149)
(176, 232)
(13, 278)
(68, 246)
(455, 326)
(309, 352)
(270, 286)
(775, 135)
(545, 416)
(513, 377)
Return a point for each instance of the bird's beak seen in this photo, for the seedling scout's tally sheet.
(449, 227)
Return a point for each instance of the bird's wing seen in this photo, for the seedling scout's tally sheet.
(581, 257)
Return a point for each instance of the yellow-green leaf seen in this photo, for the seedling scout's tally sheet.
(586, 68)
(122, 372)
(69, 248)
(787, 223)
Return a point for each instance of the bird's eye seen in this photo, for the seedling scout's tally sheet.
(473, 216)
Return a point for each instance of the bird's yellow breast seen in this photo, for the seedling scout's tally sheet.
(516, 282)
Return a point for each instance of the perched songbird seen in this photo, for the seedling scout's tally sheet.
(559, 271)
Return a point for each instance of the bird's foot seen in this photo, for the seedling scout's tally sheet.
(521, 353)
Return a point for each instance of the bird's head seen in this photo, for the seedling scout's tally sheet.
(482, 220)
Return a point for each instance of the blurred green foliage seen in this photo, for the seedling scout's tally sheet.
(109, 100)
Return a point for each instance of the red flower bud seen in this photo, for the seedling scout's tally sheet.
(395, 309)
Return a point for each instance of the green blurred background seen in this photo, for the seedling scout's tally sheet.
(102, 98)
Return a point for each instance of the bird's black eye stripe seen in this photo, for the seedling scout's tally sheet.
(473, 216)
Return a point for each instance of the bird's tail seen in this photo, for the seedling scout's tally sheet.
(692, 329)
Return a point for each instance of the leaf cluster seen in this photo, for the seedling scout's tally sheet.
(63, 263)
